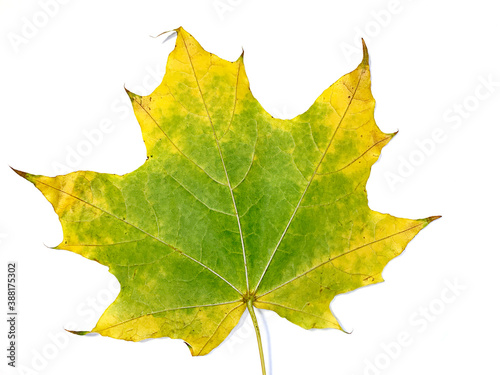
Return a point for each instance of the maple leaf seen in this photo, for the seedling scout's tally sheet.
(233, 209)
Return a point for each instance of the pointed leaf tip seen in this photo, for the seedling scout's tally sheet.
(432, 218)
(191, 349)
(366, 57)
(392, 135)
(20, 173)
(130, 94)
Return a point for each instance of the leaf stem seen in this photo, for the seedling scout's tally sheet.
(257, 333)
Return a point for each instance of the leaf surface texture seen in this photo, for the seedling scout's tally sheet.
(233, 205)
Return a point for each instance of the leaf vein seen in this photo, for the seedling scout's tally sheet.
(336, 257)
(309, 183)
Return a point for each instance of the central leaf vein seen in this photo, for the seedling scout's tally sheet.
(223, 165)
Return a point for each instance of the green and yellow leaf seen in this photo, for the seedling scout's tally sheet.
(233, 206)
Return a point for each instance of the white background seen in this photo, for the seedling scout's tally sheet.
(429, 60)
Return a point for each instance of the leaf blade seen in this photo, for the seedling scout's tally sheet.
(233, 207)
